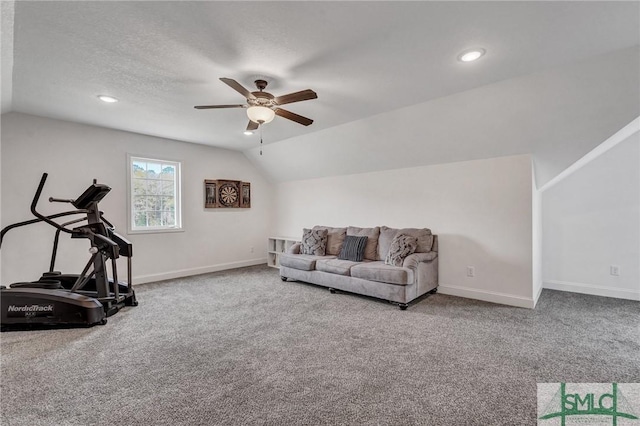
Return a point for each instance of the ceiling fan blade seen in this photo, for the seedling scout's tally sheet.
(302, 95)
(293, 117)
(237, 87)
(252, 126)
(219, 106)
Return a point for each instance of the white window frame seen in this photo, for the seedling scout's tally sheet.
(178, 227)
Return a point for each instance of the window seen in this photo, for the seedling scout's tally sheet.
(154, 188)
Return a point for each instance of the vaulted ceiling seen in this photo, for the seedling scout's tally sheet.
(362, 58)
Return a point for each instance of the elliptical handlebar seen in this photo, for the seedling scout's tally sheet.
(60, 200)
(41, 218)
(32, 221)
(36, 198)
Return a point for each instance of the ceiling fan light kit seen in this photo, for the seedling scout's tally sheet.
(260, 114)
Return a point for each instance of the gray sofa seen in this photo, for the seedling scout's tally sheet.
(371, 277)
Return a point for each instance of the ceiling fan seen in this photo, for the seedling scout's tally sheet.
(262, 106)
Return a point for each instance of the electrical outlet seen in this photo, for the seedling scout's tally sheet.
(251, 249)
(471, 271)
(614, 270)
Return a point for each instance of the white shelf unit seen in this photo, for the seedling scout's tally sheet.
(276, 246)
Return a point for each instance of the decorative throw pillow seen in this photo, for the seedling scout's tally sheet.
(372, 234)
(423, 236)
(314, 242)
(402, 246)
(335, 237)
(353, 248)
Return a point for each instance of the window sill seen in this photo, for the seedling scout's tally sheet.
(154, 231)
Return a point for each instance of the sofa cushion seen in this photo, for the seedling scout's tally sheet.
(314, 241)
(372, 234)
(303, 262)
(423, 235)
(384, 241)
(335, 266)
(353, 248)
(335, 237)
(379, 272)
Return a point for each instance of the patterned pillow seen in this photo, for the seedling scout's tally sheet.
(314, 242)
(335, 237)
(402, 246)
(353, 248)
(372, 234)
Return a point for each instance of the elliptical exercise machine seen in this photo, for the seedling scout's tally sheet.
(83, 299)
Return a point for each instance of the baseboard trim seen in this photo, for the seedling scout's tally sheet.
(594, 290)
(536, 297)
(142, 279)
(486, 296)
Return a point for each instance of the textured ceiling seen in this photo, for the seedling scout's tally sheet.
(362, 58)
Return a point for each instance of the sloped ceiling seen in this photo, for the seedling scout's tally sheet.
(556, 115)
(557, 78)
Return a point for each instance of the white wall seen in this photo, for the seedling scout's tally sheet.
(0, 196)
(7, 9)
(480, 209)
(591, 221)
(74, 154)
(536, 233)
(7, 12)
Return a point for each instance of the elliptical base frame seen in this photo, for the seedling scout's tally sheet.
(28, 308)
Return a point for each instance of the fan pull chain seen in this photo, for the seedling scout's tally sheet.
(261, 139)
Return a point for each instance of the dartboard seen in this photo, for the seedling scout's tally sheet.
(228, 194)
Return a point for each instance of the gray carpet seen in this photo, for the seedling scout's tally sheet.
(242, 347)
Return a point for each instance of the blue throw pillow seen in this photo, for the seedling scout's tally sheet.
(353, 248)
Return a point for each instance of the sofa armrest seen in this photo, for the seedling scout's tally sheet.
(413, 260)
(294, 249)
(426, 270)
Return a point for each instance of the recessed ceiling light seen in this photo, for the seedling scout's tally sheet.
(471, 55)
(248, 133)
(108, 99)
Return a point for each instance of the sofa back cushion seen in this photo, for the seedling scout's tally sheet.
(423, 235)
(335, 238)
(314, 241)
(353, 248)
(372, 234)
